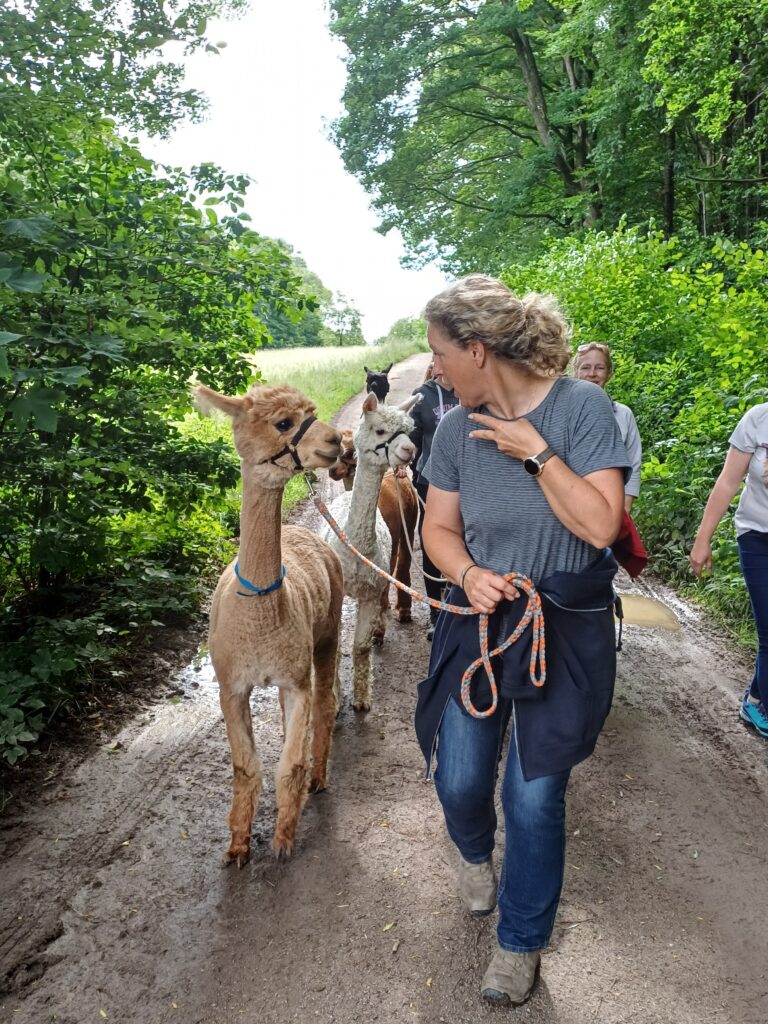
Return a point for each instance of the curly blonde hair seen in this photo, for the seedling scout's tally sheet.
(530, 331)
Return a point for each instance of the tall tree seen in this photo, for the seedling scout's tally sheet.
(708, 63)
(479, 128)
(472, 124)
(105, 57)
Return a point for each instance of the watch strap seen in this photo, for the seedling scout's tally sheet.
(544, 456)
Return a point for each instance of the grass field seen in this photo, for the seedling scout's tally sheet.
(329, 376)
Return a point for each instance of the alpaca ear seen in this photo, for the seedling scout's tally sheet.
(410, 402)
(371, 403)
(388, 368)
(207, 400)
(367, 370)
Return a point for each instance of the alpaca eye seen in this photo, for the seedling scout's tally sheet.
(380, 433)
(284, 425)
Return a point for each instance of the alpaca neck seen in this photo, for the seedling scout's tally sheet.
(260, 556)
(361, 521)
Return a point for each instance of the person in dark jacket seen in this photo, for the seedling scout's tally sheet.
(527, 475)
(437, 399)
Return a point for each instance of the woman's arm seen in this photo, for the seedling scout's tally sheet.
(590, 506)
(722, 494)
(417, 434)
(443, 539)
(634, 448)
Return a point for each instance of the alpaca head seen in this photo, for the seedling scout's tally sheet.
(276, 435)
(346, 464)
(377, 382)
(382, 438)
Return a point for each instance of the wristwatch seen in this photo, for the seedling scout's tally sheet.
(534, 464)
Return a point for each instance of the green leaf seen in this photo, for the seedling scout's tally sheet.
(24, 280)
(37, 403)
(33, 228)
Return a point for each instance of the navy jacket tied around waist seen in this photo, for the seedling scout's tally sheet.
(558, 723)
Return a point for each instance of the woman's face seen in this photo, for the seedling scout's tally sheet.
(454, 367)
(593, 366)
(442, 379)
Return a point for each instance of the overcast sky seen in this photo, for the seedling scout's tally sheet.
(272, 92)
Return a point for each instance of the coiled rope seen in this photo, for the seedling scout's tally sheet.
(533, 614)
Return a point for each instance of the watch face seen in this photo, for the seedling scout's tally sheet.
(532, 466)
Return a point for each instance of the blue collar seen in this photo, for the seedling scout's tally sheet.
(259, 591)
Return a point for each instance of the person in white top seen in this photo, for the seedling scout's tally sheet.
(593, 362)
(746, 458)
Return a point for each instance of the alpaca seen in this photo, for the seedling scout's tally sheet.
(400, 532)
(377, 381)
(276, 611)
(382, 442)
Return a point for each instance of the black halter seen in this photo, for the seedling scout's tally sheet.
(385, 444)
(290, 448)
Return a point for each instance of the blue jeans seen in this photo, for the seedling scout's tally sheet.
(753, 555)
(468, 755)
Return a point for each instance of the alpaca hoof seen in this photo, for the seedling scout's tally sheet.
(239, 855)
(361, 705)
(283, 848)
(378, 638)
(404, 615)
(318, 785)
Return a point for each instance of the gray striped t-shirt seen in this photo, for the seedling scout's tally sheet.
(508, 523)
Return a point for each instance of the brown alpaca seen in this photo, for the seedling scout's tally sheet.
(402, 538)
(275, 638)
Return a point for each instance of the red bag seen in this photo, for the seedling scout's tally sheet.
(628, 549)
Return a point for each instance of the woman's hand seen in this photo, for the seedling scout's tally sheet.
(518, 438)
(701, 556)
(485, 589)
(401, 472)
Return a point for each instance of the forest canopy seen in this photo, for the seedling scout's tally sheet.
(480, 129)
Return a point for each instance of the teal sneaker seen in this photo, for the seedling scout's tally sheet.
(755, 716)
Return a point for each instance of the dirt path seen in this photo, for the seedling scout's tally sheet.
(114, 906)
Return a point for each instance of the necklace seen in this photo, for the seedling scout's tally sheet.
(535, 401)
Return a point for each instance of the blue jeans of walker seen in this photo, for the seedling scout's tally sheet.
(468, 754)
(753, 555)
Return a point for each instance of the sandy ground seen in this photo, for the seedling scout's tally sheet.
(114, 905)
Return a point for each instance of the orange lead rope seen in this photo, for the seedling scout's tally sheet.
(538, 665)
(532, 614)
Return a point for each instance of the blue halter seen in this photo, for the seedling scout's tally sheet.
(259, 591)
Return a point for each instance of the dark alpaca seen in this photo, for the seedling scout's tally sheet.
(378, 381)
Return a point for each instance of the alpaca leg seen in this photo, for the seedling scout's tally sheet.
(292, 771)
(362, 668)
(281, 701)
(246, 780)
(324, 709)
(402, 574)
(380, 618)
(380, 623)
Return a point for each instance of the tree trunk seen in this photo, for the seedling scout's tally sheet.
(669, 185)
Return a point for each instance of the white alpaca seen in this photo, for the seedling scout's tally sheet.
(382, 442)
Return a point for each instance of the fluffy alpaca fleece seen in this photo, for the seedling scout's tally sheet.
(382, 442)
(284, 637)
(401, 525)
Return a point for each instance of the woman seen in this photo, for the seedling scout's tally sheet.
(526, 475)
(437, 399)
(593, 362)
(746, 458)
